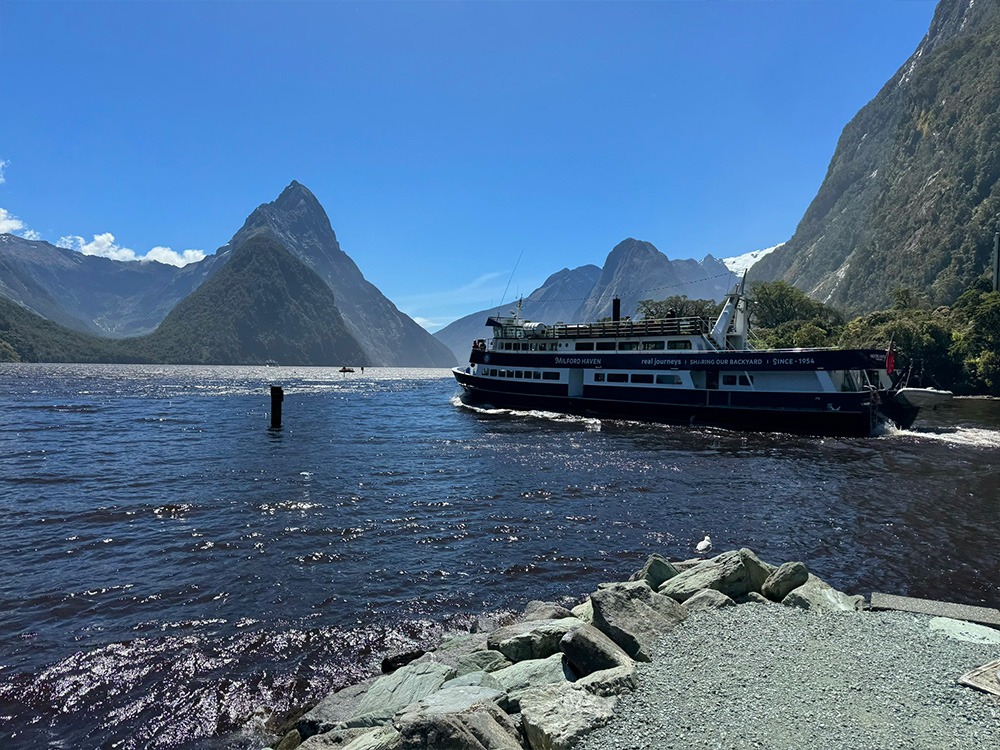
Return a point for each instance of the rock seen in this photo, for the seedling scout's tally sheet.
(708, 599)
(486, 660)
(527, 674)
(391, 663)
(816, 594)
(682, 565)
(757, 570)
(557, 717)
(626, 585)
(734, 573)
(485, 624)
(390, 693)
(334, 709)
(382, 738)
(335, 738)
(453, 649)
(655, 572)
(481, 679)
(450, 700)
(535, 639)
(607, 682)
(536, 610)
(753, 597)
(788, 576)
(635, 618)
(960, 630)
(584, 611)
(290, 741)
(589, 650)
(481, 726)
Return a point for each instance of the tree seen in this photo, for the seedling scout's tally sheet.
(976, 340)
(681, 306)
(777, 302)
(922, 340)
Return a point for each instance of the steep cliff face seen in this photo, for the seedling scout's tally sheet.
(912, 193)
(388, 336)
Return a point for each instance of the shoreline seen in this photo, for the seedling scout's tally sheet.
(677, 653)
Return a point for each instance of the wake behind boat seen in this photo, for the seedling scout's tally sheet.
(686, 370)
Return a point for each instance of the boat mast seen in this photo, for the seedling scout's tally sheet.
(730, 330)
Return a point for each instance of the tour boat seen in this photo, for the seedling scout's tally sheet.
(687, 370)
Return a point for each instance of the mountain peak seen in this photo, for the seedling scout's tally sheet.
(296, 193)
(628, 252)
(298, 220)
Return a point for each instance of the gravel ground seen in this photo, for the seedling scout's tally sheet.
(778, 678)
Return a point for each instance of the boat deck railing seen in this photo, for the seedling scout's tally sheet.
(612, 329)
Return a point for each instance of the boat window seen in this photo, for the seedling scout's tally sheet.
(536, 375)
(518, 374)
(617, 377)
(550, 376)
(652, 345)
(628, 346)
(744, 380)
(507, 345)
(598, 377)
(729, 380)
(642, 378)
(679, 344)
(585, 346)
(668, 379)
(493, 372)
(605, 346)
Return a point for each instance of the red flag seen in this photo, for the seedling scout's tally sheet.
(890, 360)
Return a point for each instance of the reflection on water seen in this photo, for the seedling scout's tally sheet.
(172, 569)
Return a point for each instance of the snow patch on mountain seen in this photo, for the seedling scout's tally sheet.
(740, 263)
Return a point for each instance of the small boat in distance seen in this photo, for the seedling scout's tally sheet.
(687, 371)
(346, 370)
(270, 363)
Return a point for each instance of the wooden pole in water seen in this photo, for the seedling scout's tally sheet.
(277, 396)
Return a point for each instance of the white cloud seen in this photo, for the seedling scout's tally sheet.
(8, 222)
(105, 246)
(31, 234)
(3, 166)
(174, 258)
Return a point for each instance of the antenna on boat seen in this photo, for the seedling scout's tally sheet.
(509, 280)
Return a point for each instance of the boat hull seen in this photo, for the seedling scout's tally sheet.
(835, 414)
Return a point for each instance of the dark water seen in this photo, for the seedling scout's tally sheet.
(174, 574)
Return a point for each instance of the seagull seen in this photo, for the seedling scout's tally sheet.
(705, 545)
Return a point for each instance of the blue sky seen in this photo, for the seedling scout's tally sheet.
(443, 138)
